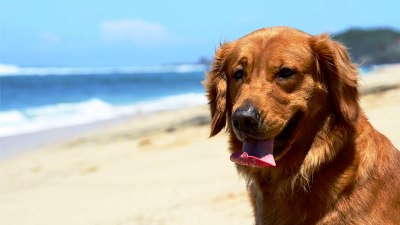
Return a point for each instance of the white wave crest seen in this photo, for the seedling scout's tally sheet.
(12, 70)
(94, 110)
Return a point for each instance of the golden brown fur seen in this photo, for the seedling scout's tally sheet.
(336, 168)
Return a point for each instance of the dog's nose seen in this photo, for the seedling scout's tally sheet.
(245, 118)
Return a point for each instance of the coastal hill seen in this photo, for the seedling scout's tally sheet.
(367, 47)
(371, 46)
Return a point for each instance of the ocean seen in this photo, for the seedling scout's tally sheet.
(39, 99)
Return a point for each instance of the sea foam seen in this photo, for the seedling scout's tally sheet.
(16, 122)
(12, 70)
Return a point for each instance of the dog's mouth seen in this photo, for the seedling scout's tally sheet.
(264, 152)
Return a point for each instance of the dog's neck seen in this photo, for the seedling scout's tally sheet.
(332, 144)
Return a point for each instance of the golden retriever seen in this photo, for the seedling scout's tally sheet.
(289, 102)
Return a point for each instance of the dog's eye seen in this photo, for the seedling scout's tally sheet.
(238, 75)
(285, 73)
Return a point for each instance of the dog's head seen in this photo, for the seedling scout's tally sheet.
(269, 87)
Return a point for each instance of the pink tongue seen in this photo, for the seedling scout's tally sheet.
(255, 153)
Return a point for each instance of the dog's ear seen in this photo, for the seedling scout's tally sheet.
(337, 71)
(216, 89)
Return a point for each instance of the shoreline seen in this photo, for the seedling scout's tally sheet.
(12, 146)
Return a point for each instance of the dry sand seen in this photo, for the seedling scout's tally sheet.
(159, 169)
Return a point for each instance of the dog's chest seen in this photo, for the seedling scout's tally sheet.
(282, 209)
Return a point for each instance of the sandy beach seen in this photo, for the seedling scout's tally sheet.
(155, 169)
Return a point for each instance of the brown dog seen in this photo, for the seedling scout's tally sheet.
(289, 101)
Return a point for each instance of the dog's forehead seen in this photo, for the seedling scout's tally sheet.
(276, 35)
(275, 46)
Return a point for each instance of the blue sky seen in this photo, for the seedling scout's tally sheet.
(147, 32)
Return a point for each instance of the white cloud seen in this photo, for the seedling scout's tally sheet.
(137, 31)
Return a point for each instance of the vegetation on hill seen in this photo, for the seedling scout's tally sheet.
(372, 46)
